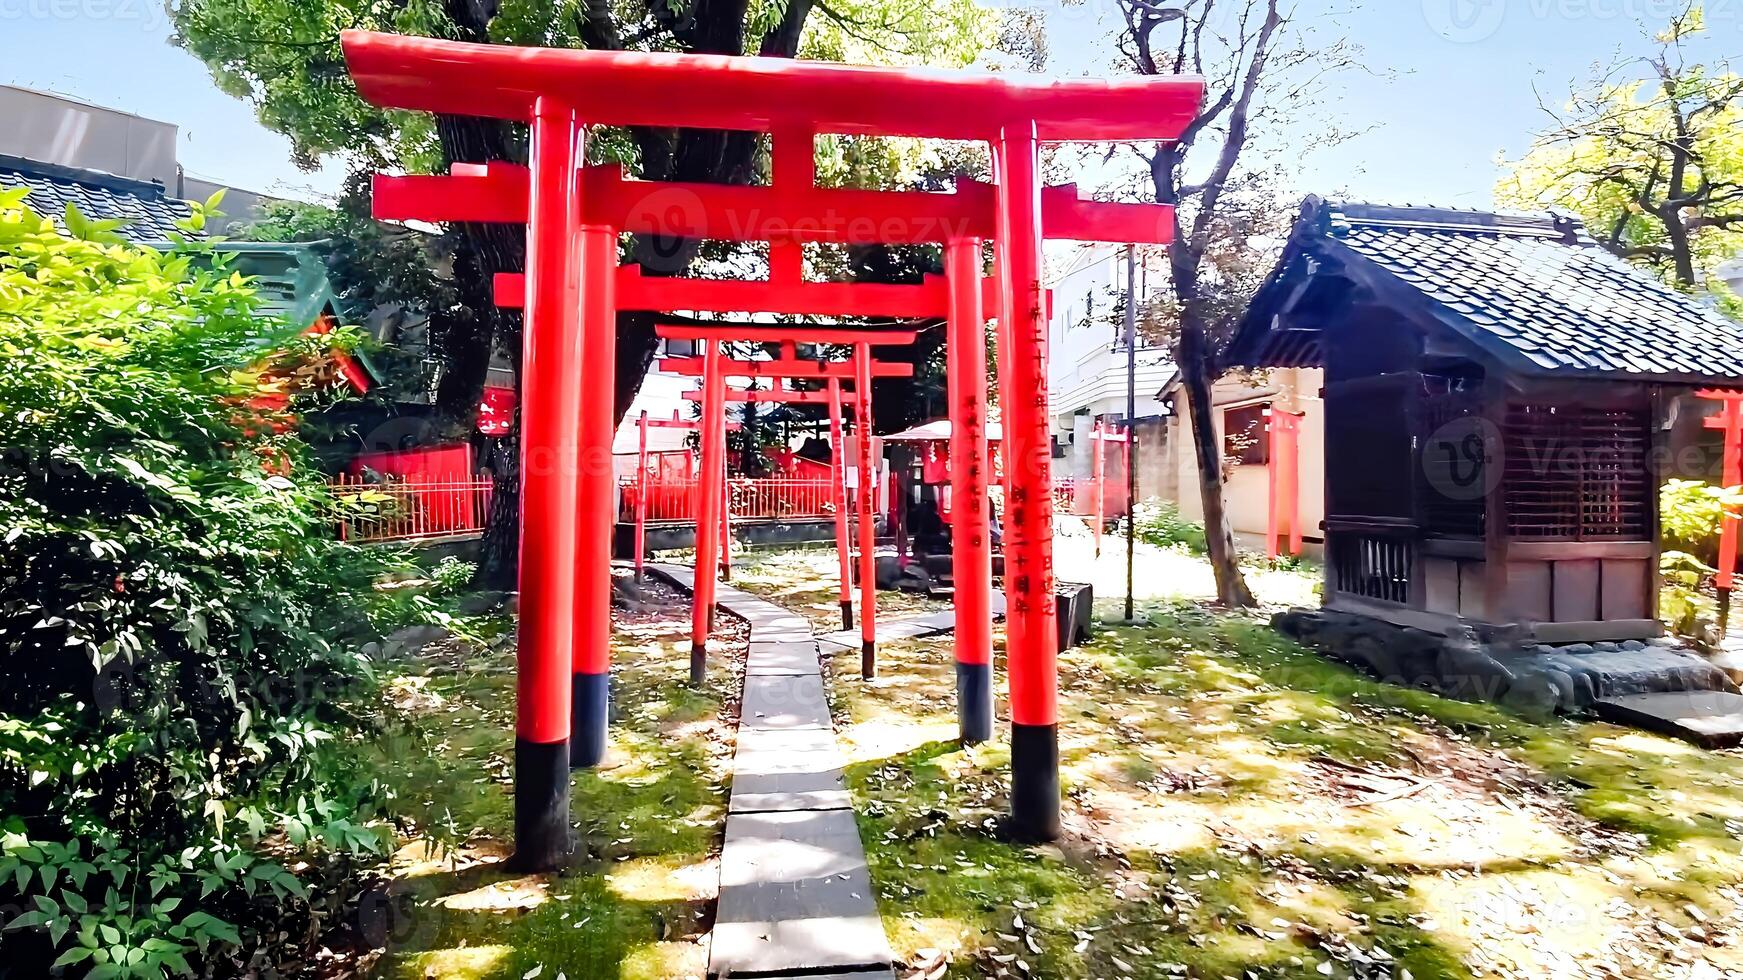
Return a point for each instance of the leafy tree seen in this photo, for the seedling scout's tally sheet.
(285, 58)
(177, 699)
(1650, 153)
(1262, 65)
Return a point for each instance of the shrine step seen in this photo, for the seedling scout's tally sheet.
(1711, 719)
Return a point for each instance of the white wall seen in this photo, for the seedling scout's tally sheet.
(1086, 370)
(1246, 493)
(50, 128)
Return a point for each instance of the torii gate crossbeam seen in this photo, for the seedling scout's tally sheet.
(573, 288)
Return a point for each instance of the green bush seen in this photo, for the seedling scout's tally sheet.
(180, 671)
(1689, 513)
(452, 575)
(1158, 522)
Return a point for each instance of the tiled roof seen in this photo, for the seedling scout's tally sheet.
(152, 215)
(1533, 290)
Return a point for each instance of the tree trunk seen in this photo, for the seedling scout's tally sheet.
(1231, 585)
(1682, 250)
(708, 156)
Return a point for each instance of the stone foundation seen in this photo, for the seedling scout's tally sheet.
(1484, 664)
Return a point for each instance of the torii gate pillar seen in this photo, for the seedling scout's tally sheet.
(1032, 642)
(970, 537)
(550, 453)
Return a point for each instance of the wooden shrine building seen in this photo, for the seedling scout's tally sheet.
(1495, 389)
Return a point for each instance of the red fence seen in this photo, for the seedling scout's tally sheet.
(674, 500)
(410, 511)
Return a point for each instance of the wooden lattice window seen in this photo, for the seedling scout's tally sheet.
(1246, 437)
(1454, 463)
(1577, 473)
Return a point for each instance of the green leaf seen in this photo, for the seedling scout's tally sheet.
(78, 954)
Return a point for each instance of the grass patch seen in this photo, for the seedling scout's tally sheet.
(647, 824)
(1237, 803)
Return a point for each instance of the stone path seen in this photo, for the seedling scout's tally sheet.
(930, 624)
(795, 894)
(1711, 719)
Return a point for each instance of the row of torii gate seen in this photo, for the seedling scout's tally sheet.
(574, 287)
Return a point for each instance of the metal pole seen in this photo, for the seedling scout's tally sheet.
(1033, 651)
(838, 489)
(707, 516)
(591, 697)
(1131, 420)
(970, 541)
(551, 360)
(868, 508)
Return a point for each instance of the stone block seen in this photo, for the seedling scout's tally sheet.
(795, 897)
(784, 701)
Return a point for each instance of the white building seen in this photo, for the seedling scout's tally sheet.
(1086, 376)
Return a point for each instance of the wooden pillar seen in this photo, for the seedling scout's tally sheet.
(551, 362)
(1495, 533)
(725, 506)
(971, 559)
(641, 495)
(590, 698)
(868, 505)
(838, 490)
(707, 512)
(1033, 644)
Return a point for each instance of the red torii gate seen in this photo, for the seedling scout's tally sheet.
(714, 371)
(1101, 434)
(573, 289)
(643, 424)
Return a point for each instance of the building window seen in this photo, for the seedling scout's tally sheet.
(1246, 440)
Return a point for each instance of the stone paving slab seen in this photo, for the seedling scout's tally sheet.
(795, 893)
(1712, 719)
(786, 771)
(907, 628)
(782, 657)
(774, 701)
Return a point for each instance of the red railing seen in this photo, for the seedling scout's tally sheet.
(407, 511)
(674, 500)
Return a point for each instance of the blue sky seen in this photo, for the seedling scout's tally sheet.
(1453, 84)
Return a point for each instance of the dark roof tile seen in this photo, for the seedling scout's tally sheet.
(150, 215)
(1537, 286)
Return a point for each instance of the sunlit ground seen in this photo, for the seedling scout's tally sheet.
(639, 901)
(1236, 803)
